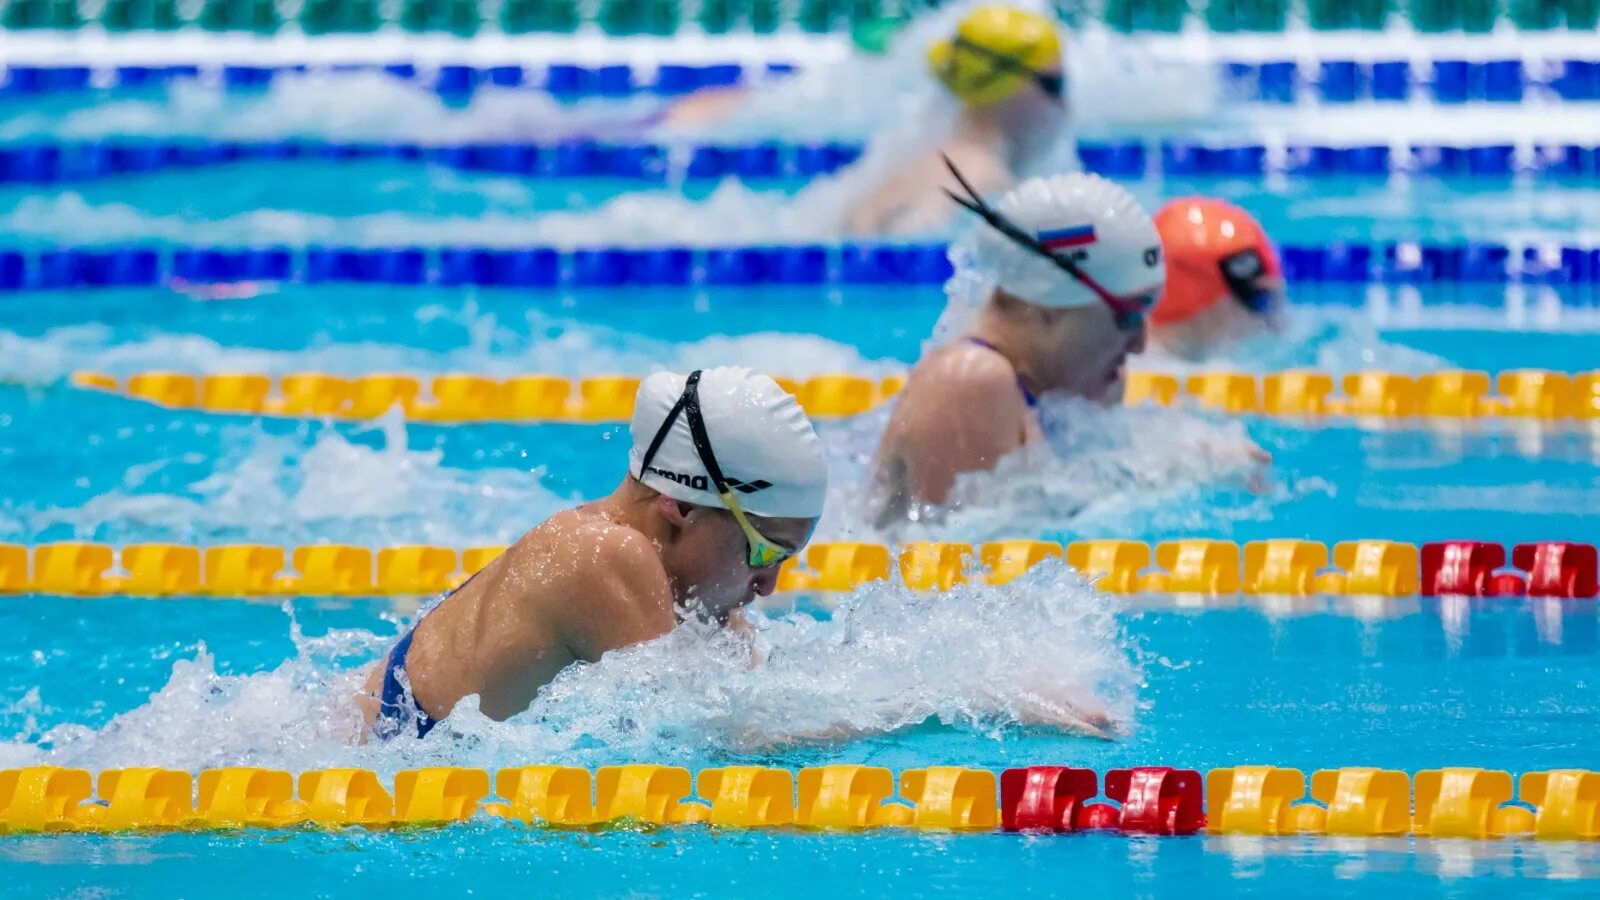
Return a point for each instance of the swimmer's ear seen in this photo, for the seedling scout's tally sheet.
(676, 512)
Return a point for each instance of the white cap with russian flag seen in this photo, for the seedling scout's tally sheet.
(1110, 237)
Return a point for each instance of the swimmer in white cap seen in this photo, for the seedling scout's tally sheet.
(1070, 265)
(725, 481)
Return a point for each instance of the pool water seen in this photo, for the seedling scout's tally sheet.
(1408, 683)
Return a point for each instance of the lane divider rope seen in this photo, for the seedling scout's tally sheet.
(1437, 273)
(1370, 397)
(1468, 803)
(1329, 80)
(1190, 566)
(42, 162)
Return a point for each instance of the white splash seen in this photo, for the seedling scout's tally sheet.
(364, 106)
(981, 659)
(487, 345)
(279, 491)
(1102, 472)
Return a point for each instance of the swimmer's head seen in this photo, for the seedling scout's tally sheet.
(997, 53)
(1223, 275)
(1081, 260)
(728, 440)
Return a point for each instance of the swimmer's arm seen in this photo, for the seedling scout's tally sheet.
(740, 625)
(625, 598)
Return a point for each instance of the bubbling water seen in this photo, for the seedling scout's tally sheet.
(486, 345)
(279, 490)
(1101, 472)
(983, 660)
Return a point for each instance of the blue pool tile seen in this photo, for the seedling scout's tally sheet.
(1340, 81)
(925, 264)
(1491, 160)
(604, 267)
(640, 161)
(1121, 159)
(674, 80)
(53, 269)
(797, 265)
(1503, 81)
(466, 266)
(456, 80)
(505, 76)
(707, 162)
(732, 267)
(725, 74)
(122, 267)
(1485, 262)
(613, 81)
(13, 270)
(1438, 159)
(266, 264)
(1184, 159)
(1278, 81)
(757, 161)
(1391, 80)
(562, 79)
(532, 267)
(392, 265)
(668, 266)
(1577, 79)
(1453, 81)
(868, 264)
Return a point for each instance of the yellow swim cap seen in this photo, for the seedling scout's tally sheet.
(993, 53)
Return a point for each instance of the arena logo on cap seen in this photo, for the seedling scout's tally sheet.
(1072, 236)
(703, 483)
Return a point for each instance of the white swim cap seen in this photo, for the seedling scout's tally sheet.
(1108, 233)
(760, 438)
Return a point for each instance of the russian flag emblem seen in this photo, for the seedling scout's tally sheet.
(1061, 238)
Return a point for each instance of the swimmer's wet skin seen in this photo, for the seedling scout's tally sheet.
(726, 480)
(1073, 264)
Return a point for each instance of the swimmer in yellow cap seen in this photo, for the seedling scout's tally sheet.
(1068, 267)
(1224, 282)
(1004, 66)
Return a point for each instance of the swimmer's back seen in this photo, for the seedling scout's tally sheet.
(960, 411)
(574, 587)
(912, 200)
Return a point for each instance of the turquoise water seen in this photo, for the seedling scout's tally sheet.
(1405, 683)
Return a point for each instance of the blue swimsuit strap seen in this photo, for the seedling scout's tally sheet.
(1027, 395)
(396, 705)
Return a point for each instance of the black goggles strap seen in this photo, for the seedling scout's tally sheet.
(1050, 84)
(688, 404)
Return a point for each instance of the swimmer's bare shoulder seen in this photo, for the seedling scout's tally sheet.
(612, 588)
(960, 411)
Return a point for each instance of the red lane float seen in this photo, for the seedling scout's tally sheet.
(1152, 800)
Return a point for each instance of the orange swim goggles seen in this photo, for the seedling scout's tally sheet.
(761, 552)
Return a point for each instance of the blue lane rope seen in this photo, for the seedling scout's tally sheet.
(1572, 270)
(51, 162)
(1332, 81)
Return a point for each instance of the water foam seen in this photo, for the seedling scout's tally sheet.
(278, 490)
(980, 659)
(1101, 472)
(489, 345)
(357, 106)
